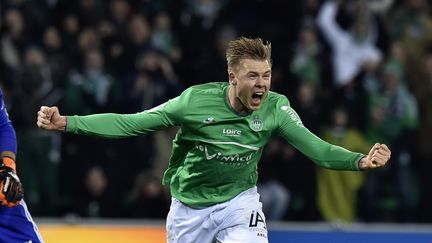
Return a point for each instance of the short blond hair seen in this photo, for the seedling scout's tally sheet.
(247, 48)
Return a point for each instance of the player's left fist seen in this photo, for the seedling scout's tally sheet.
(11, 190)
(378, 156)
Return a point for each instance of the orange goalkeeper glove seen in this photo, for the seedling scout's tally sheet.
(11, 191)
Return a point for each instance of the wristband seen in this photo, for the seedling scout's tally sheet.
(359, 162)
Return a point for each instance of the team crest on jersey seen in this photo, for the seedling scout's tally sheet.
(256, 124)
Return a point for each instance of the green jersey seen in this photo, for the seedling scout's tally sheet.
(216, 150)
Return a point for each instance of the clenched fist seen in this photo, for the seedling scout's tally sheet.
(378, 156)
(49, 118)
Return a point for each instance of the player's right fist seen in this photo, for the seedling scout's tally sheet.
(11, 191)
(49, 118)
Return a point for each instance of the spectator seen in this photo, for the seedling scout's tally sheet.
(124, 53)
(13, 43)
(70, 30)
(153, 81)
(147, 198)
(91, 89)
(352, 51)
(163, 38)
(309, 105)
(96, 200)
(55, 55)
(202, 12)
(119, 14)
(306, 63)
(337, 190)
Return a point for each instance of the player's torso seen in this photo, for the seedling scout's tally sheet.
(219, 145)
(216, 151)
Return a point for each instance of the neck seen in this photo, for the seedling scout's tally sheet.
(235, 102)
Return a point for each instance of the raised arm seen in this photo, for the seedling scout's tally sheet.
(331, 30)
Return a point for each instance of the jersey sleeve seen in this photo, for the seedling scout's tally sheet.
(112, 125)
(322, 153)
(7, 132)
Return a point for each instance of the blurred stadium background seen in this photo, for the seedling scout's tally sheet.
(370, 80)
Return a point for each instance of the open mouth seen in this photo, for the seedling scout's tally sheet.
(257, 97)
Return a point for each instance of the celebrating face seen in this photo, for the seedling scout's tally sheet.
(250, 84)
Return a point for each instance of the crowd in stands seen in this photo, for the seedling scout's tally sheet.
(356, 71)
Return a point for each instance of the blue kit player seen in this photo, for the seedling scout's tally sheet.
(16, 224)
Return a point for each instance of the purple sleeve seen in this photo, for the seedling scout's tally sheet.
(7, 132)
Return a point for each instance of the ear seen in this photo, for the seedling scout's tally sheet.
(232, 78)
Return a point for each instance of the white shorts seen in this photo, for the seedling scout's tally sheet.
(239, 220)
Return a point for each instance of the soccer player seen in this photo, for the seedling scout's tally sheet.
(224, 126)
(16, 224)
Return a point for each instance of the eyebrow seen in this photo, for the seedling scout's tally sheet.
(254, 72)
